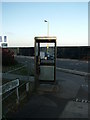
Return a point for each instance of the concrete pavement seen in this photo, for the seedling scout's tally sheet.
(56, 101)
(75, 110)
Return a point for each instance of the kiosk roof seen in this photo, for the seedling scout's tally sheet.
(45, 39)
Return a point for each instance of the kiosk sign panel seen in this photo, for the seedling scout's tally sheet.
(45, 59)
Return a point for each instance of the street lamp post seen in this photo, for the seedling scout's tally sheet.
(47, 27)
(47, 32)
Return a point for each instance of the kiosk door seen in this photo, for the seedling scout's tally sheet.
(45, 59)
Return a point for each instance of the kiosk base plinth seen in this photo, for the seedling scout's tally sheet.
(46, 88)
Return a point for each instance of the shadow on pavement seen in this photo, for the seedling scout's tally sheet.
(42, 106)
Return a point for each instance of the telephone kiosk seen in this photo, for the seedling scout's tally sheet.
(45, 60)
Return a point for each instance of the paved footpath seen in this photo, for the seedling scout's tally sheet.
(56, 101)
(48, 105)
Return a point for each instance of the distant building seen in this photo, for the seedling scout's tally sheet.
(3, 42)
(5, 38)
(4, 45)
(0, 39)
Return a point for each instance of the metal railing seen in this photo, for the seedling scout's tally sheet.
(13, 97)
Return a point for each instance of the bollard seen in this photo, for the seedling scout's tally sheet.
(27, 87)
(17, 93)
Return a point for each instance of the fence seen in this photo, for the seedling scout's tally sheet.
(15, 91)
(13, 96)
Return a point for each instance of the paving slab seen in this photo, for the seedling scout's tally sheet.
(42, 106)
(75, 110)
(83, 93)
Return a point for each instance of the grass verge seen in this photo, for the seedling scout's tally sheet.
(11, 67)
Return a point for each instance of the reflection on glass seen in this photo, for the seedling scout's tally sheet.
(47, 52)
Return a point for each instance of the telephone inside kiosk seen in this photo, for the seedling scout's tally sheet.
(45, 59)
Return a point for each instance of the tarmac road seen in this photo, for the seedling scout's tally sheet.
(73, 64)
(60, 63)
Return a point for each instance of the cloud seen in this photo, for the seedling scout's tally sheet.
(8, 33)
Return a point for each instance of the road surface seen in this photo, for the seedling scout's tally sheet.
(73, 64)
(61, 63)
